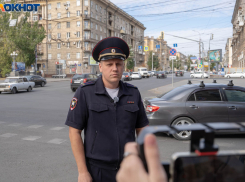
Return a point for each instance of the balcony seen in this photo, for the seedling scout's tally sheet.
(86, 17)
(87, 28)
(87, 49)
(39, 50)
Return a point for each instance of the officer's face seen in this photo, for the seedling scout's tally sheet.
(112, 69)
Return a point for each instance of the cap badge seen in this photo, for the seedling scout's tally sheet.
(113, 51)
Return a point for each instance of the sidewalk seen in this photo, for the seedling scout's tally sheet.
(48, 79)
(167, 88)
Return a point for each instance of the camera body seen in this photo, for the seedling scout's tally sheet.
(204, 162)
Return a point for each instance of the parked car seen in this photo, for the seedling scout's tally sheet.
(192, 72)
(179, 73)
(136, 75)
(126, 76)
(199, 75)
(154, 73)
(161, 74)
(237, 74)
(16, 84)
(190, 104)
(143, 72)
(150, 73)
(38, 80)
(78, 79)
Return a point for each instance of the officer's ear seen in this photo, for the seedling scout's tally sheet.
(100, 66)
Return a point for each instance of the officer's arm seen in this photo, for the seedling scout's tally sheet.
(78, 149)
(138, 130)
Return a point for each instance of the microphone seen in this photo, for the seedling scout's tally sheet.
(116, 99)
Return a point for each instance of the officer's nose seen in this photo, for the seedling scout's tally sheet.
(114, 68)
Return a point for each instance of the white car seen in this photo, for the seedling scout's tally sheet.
(237, 74)
(199, 75)
(136, 75)
(143, 72)
(15, 84)
(150, 73)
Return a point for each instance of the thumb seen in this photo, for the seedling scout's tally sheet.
(152, 156)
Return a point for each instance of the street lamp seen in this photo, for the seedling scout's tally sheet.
(14, 55)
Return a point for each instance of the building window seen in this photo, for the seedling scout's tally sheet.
(68, 4)
(68, 55)
(96, 17)
(78, 44)
(78, 34)
(96, 7)
(100, 19)
(78, 2)
(49, 26)
(68, 14)
(86, 2)
(49, 56)
(58, 35)
(58, 15)
(100, 9)
(92, 4)
(58, 5)
(92, 25)
(49, 6)
(35, 18)
(49, 46)
(68, 44)
(78, 23)
(86, 24)
(68, 35)
(78, 13)
(49, 36)
(101, 37)
(58, 25)
(78, 55)
(104, 11)
(92, 35)
(91, 14)
(96, 27)
(96, 37)
(86, 12)
(100, 28)
(58, 56)
(105, 30)
(92, 45)
(67, 24)
(58, 46)
(49, 16)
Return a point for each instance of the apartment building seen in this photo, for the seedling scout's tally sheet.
(238, 43)
(73, 29)
(183, 59)
(228, 53)
(161, 52)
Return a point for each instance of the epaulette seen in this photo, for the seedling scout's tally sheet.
(129, 85)
(88, 83)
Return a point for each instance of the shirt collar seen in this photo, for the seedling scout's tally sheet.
(100, 88)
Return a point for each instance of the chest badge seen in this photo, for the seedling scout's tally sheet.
(73, 103)
(130, 102)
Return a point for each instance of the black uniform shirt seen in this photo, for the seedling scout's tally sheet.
(108, 126)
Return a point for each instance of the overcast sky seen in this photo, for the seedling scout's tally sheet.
(184, 18)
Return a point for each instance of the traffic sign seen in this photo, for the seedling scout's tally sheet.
(158, 46)
(200, 66)
(175, 45)
(172, 52)
(193, 65)
(172, 57)
(140, 47)
(146, 48)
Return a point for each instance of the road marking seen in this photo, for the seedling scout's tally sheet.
(35, 126)
(7, 135)
(56, 141)
(57, 128)
(1, 122)
(15, 124)
(31, 138)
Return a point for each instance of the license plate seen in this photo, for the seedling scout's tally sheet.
(77, 81)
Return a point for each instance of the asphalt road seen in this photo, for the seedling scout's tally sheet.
(34, 142)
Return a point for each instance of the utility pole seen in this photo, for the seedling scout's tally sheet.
(47, 35)
(152, 61)
(211, 38)
(36, 60)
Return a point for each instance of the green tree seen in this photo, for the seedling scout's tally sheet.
(130, 61)
(177, 64)
(155, 61)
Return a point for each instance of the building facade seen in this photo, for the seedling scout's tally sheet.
(238, 39)
(160, 52)
(183, 60)
(73, 29)
(228, 54)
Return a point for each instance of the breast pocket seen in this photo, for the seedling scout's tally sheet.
(130, 113)
(98, 113)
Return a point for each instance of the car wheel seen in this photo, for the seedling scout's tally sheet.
(73, 90)
(242, 76)
(29, 89)
(183, 135)
(228, 76)
(42, 84)
(13, 91)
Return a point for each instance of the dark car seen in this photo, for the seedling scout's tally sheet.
(37, 79)
(78, 79)
(161, 74)
(194, 103)
(179, 73)
(126, 76)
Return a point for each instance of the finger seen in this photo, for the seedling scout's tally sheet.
(153, 157)
(131, 147)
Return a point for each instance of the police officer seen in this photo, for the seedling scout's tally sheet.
(109, 111)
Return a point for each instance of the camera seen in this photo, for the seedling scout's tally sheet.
(204, 162)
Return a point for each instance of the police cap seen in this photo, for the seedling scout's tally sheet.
(111, 48)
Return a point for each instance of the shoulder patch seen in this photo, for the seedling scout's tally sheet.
(88, 83)
(129, 85)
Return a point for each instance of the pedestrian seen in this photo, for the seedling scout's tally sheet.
(109, 111)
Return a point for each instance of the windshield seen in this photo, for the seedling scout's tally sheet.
(11, 80)
(143, 69)
(79, 76)
(125, 73)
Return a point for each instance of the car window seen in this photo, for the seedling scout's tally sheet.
(25, 80)
(235, 95)
(90, 76)
(192, 98)
(20, 80)
(79, 76)
(208, 95)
